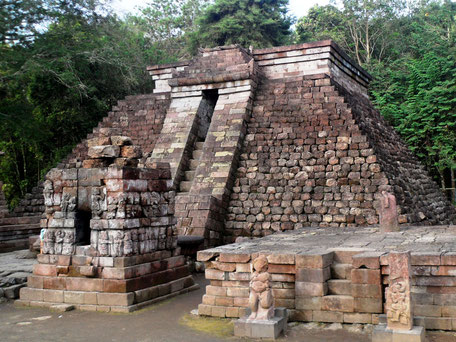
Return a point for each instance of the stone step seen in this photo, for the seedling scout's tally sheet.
(199, 145)
(18, 227)
(339, 287)
(185, 186)
(6, 221)
(341, 271)
(197, 154)
(193, 164)
(189, 175)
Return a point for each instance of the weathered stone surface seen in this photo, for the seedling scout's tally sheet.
(398, 297)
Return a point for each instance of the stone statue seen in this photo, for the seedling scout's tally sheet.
(68, 244)
(134, 239)
(68, 203)
(260, 300)
(103, 243)
(97, 203)
(48, 242)
(59, 237)
(48, 193)
(142, 240)
(388, 213)
(117, 245)
(128, 244)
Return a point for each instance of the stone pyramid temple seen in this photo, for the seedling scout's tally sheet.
(264, 141)
(272, 140)
(239, 143)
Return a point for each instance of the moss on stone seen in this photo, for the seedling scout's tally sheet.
(218, 327)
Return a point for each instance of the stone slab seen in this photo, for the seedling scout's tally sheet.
(270, 329)
(382, 334)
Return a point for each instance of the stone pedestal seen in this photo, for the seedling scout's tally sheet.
(382, 334)
(270, 329)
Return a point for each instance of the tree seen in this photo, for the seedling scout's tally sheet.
(167, 25)
(257, 23)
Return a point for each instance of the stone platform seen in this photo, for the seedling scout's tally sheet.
(337, 275)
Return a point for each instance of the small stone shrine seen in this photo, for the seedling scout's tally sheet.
(264, 320)
(110, 242)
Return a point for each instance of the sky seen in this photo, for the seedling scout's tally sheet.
(297, 7)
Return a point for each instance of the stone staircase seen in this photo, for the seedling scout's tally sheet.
(186, 184)
(339, 288)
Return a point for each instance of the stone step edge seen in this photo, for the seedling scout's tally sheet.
(104, 308)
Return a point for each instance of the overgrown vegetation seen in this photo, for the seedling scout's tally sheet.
(63, 64)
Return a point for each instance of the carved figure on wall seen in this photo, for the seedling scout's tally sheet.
(121, 206)
(134, 239)
(399, 309)
(48, 193)
(388, 213)
(149, 237)
(59, 237)
(142, 240)
(97, 203)
(260, 299)
(68, 203)
(117, 245)
(103, 243)
(68, 243)
(128, 244)
(48, 242)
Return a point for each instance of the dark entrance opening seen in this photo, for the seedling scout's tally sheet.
(82, 225)
(205, 112)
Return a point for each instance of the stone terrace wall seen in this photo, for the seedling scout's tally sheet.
(418, 195)
(345, 285)
(305, 162)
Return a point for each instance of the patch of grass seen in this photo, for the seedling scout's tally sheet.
(218, 327)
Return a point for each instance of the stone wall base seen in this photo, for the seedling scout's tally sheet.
(122, 284)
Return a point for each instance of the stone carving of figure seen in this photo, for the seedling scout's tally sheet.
(68, 244)
(118, 242)
(97, 203)
(59, 237)
(103, 243)
(68, 203)
(134, 239)
(127, 244)
(142, 240)
(398, 310)
(48, 242)
(388, 213)
(121, 206)
(149, 238)
(260, 300)
(48, 193)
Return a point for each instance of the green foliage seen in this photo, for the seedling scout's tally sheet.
(257, 23)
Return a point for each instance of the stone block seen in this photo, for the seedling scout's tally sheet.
(368, 305)
(304, 289)
(313, 275)
(365, 276)
(53, 296)
(338, 303)
(382, 334)
(366, 290)
(328, 316)
(320, 260)
(115, 299)
(308, 303)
